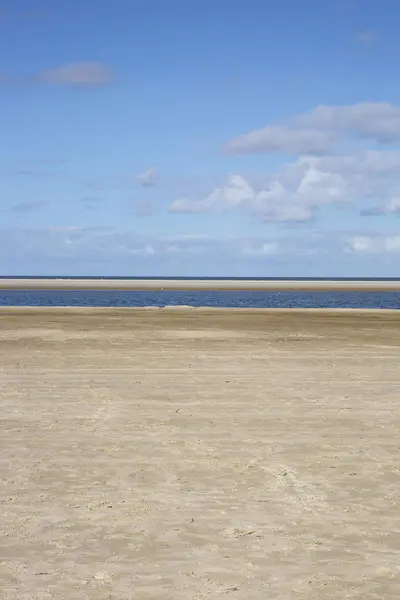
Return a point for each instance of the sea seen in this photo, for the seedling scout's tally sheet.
(222, 299)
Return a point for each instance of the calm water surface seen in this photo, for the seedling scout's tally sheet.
(242, 299)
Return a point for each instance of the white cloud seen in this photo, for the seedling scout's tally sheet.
(392, 207)
(178, 250)
(299, 189)
(236, 192)
(184, 205)
(392, 243)
(148, 177)
(186, 237)
(264, 250)
(378, 244)
(281, 200)
(145, 250)
(316, 131)
(84, 74)
(362, 243)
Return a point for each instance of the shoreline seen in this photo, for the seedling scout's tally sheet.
(212, 309)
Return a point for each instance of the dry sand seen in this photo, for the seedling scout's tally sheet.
(192, 454)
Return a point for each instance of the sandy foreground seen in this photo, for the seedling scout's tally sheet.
(192, 454)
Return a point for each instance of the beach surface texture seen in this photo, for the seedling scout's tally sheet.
(190, 454)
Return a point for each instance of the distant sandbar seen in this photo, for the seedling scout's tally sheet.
(198, 284)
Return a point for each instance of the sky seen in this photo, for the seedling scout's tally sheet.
(229, 138)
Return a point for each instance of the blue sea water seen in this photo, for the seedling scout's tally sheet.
(239, 299)
(229, 299)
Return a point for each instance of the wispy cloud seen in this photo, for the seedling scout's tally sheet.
(34, 15)
(17, 14)
(90, 202)
(56, 250)
(115, 182)
(280, 138)
(106, 244)
(44, 167)
(391, 207)
(316, 131)
(24, 207)
(80, 74)
(28, 172)
(368, 36)
(145, 209)
(148, 177)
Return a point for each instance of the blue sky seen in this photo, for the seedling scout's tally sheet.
(151, 137)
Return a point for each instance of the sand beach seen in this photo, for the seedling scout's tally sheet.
(183, 453)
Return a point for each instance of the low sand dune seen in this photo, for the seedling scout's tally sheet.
(197, 454)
